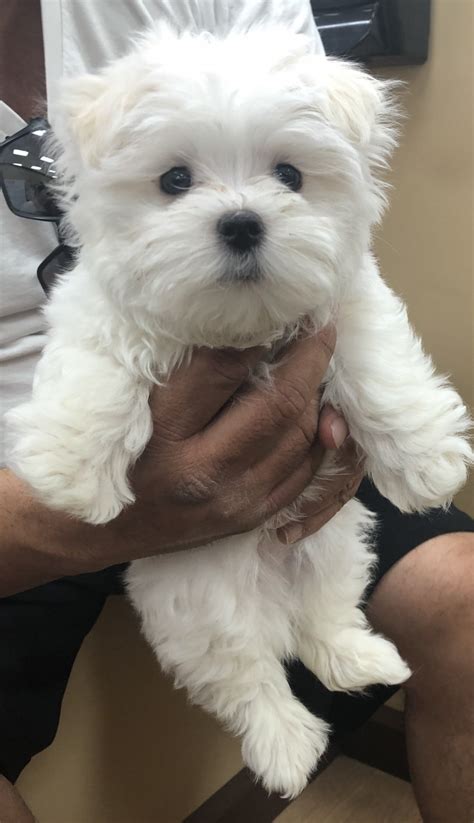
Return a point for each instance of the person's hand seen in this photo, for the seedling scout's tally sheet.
(226, 455)
(212, 468)
(338, 489)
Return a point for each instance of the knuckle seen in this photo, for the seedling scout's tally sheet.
(195, 488)
(291, 400)
(238, 504)
(238, 517)
(230, 507)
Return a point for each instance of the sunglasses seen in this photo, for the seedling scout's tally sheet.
(27, 178)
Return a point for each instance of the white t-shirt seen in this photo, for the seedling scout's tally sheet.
(79, 36)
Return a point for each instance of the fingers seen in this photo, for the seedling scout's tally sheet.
(292, 399)
(282, 466)
(298, 531)
(295, 483)
(318, 519)
(197, 391)
(337, 490)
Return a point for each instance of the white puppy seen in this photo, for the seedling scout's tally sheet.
(221, 190)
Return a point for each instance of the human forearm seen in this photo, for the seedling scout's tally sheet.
(36, 544)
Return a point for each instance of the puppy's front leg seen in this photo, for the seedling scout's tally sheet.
(86, 423)
(410, 422)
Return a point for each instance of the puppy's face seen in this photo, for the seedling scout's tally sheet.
(225, 188)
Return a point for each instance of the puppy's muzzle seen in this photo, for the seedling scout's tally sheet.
(242, 231)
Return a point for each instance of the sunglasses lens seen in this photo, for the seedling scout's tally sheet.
(29, 193)
(59, 261)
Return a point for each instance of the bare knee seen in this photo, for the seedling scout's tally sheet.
(425, 604)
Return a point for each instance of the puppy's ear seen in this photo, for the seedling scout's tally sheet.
(84, 108)
(363, 108)
(93, 110)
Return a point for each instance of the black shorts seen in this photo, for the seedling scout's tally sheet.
(41, 631)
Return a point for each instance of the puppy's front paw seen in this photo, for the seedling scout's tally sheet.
(428, 481)
(66, 469)
(436, 482)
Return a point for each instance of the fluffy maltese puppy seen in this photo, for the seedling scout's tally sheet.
(221, 190)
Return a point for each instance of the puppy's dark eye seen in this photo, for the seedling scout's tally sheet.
(176, 181)
(289, 176)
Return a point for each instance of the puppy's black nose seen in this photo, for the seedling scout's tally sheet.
(241, 230)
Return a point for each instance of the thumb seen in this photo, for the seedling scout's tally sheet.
(332, 428)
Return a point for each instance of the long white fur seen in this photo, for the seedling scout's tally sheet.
(149, 285)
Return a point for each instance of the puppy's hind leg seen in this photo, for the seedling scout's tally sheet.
(282, 741)
(211, 629)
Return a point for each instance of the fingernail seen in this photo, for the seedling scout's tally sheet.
(339, 431)
(293, 533)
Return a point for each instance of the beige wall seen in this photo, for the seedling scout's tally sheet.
(425, 245)
(129, 750)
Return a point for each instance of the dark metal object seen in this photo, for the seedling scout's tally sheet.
(375, 32)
